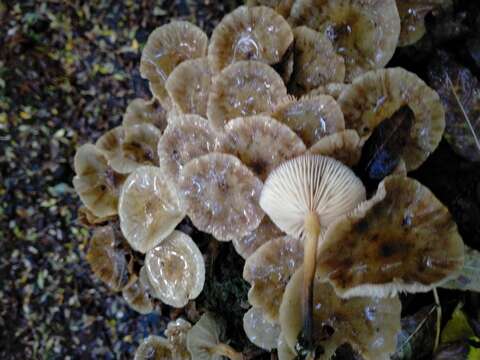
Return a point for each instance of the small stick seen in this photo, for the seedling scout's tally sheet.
(439, 319)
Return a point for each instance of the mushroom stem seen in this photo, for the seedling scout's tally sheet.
(312, 232)
(227, 351)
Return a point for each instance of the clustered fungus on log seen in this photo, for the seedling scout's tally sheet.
(253, 135)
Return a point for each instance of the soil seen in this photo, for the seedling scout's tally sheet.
(67, 71)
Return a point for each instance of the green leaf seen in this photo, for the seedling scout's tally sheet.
(469, 277)
(457, 328)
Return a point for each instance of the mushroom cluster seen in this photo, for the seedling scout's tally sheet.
(255, 136)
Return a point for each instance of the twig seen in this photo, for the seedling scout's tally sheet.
(439, 319)
(472, 129)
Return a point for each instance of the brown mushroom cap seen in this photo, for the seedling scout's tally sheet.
(127, 148)
(249, 33)
(166, 47)
(281, 6)
(261, 143)
(149, 208)
(107, 259)
(344, 146)
(96, 183)
(176, 333)
(189, 86)
(176, 270)
(311, 118)
(137, 297)
(242, 89)
(310, 183)
(260, 331)
(248, 244)
(369, 325)
(379, 95)
(154, 348)
(186, 137)
(364, 32)
(221, 196)
(403, 239)
(268, 270)
(412, 16)
(316, 62)
(140, 111)
(87, 218)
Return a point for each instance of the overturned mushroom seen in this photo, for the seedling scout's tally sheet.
(248, 244)
(140, 111)
(369, 325)
(97, 184)
(249, 33)
(311, 117)
(364, 32)
(168, 46)
(137, 297)
(154, 348)
(403, 239)
(203, 340)
(176, 270)
(261, 143)
(127, 148)
(189, 85)
(303, 197)
(281, 6)
(221, 196)
(107, 259)
(260, 331)
(186, 137)
(268, 270)
(383, 95)
(149, 208)
(316, 62)
(243, 89)
(344, 146)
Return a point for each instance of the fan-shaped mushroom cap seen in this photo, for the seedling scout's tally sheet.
(221, 196)
(378, 95)
(412, 16)
(154, 348)
(261, 143)
(249, 33)
(403, 239)
(311, 118)
(344, 146)
(369, 325)
(166, 47)
(268, 270)
(260, 331)
(186, 137)
(248, 244)
(310, 183)
(316, 62)
(149, 208)
(140, 111)
(95, 182)
(176, 270)
(127, 148)
(364, 32)
(189, 85)
(87, 218)
(203, 337)
(136, 296)
(242, 89)
(332, 89)
(176, 333)
(107, 259)
(281, 6)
